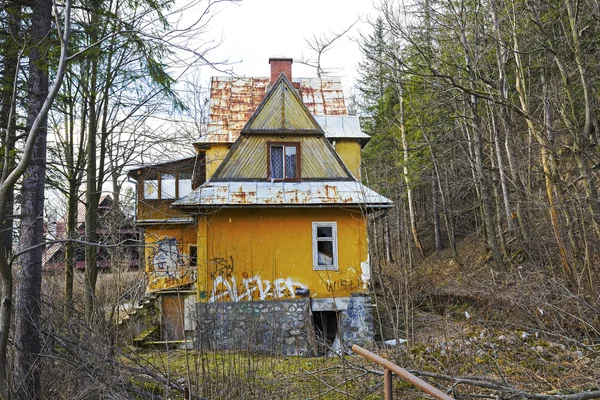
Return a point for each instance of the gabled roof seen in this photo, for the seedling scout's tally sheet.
(105, 202)
(233, 100)
(241, 179)
(282, 111)
(281, 117)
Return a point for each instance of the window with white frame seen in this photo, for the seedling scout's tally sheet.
(325, 254)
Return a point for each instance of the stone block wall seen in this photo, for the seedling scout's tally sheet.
(277, 326)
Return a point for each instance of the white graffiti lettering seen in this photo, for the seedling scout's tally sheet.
(224, 288)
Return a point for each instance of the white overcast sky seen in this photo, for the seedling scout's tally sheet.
(254, 30)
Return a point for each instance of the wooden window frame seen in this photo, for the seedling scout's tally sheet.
(298, 161)
(159, 176)
(315, 247)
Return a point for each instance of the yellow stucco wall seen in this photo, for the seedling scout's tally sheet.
(349, 152)
(265, 254)
(214, 156)
(167, 255)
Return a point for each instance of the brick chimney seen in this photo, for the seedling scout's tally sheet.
(279, 65)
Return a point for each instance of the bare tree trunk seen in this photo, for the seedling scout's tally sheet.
(545, 154)
(472, 107)
(581, 135)
(91, 195)
(72, 204)
(28, 305)
(405, 170)
(40, 26)
(443, 193)
(74, 166)
(498, 206)
(518, 228)
(437, 232)
(11, 57)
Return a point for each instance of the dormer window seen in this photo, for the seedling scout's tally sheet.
(284, 161)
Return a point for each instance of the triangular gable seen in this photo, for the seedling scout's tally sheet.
(247, 159)
(282, 111)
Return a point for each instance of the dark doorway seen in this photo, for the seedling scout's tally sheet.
(326, 329)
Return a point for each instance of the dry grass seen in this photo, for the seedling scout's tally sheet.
(518, 327)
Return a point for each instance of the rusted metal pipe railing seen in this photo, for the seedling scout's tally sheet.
(402, 373)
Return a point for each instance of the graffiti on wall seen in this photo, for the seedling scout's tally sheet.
(221, 267)
(228, 288)
(343, 284)
(168, 266)
(355, 309)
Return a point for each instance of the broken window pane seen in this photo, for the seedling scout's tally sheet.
(276, 162)
(325, 252)
(167, 186)
(290, 162)
(151, 187)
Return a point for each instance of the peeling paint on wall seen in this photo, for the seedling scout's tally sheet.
(365, 267)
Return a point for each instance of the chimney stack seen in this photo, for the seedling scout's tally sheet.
(279, 65)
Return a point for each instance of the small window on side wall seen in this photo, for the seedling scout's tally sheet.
(325, 254)
(284, 161)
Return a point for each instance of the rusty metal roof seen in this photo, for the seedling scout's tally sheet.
(234, 100)
(342, 127)
(292, 194)
(282, 111)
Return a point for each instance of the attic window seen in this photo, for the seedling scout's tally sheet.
(284, 161)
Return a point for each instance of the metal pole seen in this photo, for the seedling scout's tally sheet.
(401, 372)
(387, 384)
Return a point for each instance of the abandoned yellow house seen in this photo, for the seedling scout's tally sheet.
(260, 241)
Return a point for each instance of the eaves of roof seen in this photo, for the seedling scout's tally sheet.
(291, 194)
